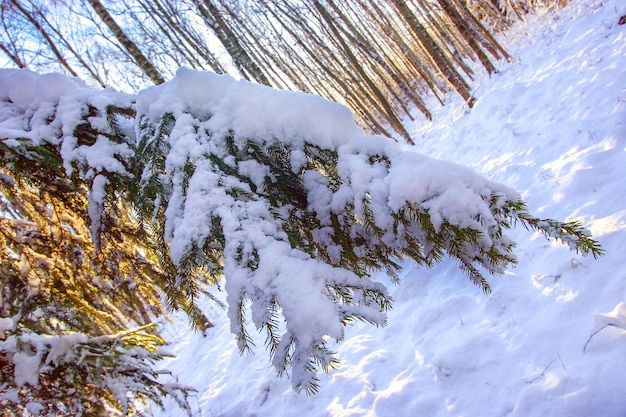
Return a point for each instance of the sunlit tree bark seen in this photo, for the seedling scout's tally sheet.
(242, 60)
(67, 45)
(435, 51)
(51, 44)
(386, 59)
(176, 34)
(389, 112)
(142, 61)
(13, 57)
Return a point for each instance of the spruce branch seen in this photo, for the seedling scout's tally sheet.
(99, 221)
(573, 234)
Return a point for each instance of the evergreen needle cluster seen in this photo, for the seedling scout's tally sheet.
(111, 203)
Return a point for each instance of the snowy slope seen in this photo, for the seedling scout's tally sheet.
(551, 338)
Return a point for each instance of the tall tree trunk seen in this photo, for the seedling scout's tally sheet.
(141, 60)
(405, 53)
(389, 112)
(468, 33)
(332, 75)
(13, 57)
(70, 48)
(241, 58)
(46, 36)
(366, 46)
(184, 38)
(487, 40)
(434, 50)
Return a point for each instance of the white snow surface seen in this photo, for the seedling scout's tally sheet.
(551, 338)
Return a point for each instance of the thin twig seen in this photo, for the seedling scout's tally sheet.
(543, 373)
(595, 333)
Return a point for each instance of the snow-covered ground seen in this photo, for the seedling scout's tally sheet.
(551, 338)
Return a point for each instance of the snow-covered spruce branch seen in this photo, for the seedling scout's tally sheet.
(284, 196)
(71, 269)
(571, 233)
(73, 374)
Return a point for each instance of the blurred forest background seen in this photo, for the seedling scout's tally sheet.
(387, 60)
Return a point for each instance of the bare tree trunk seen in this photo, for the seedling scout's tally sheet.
(390, 113)
(182, 36)
(13, 57)
(46, 36)
(331, 75)
(372, 54)
(241, 58)
(69, 47)
(285, 59)
(434, 50)
(143, 62)
(452, 44)
(468, 33)
(486, 38)
(404, 53)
